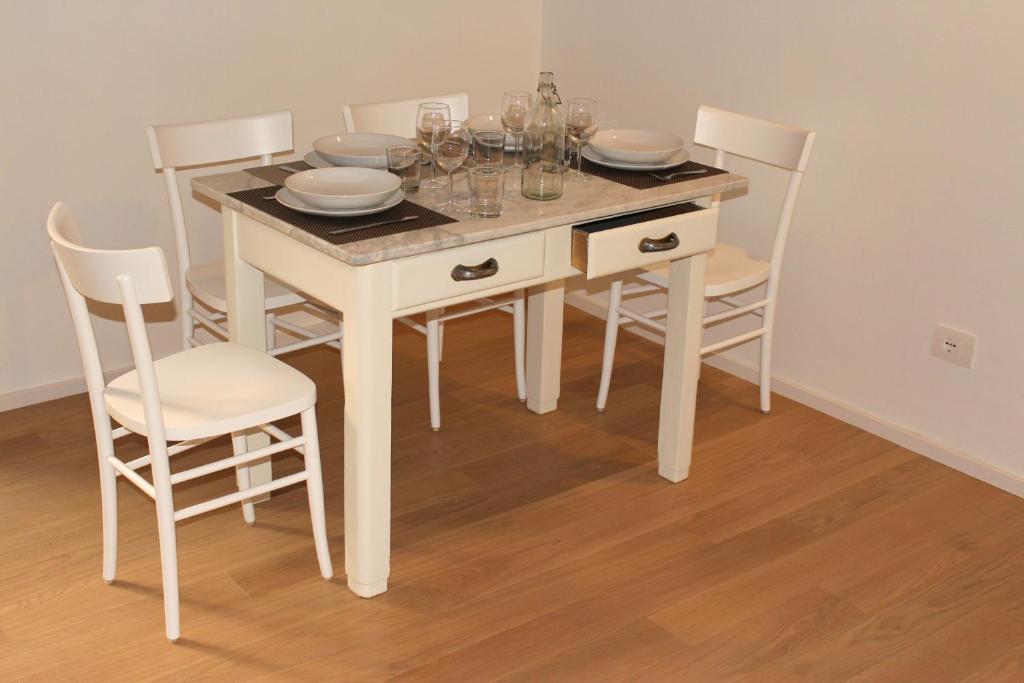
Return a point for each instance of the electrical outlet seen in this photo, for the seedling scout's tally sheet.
(953, 345)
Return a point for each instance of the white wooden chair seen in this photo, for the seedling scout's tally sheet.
(198, 143)
(730, 270)
(189, 397)
(399, 118)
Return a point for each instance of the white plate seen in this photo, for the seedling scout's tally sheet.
(636, 146)
(680, 158)
(489, 122)
(316, 161)
(286, 198)
(343, 187)
(357, 149)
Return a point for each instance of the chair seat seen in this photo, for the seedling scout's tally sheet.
(213, 389)
(207, 283)
(730, 269)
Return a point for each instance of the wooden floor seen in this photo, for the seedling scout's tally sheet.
(534, 548)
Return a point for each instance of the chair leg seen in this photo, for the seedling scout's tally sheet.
(611, 333)
(315, 491)
(765, 370)
(108, 500)
(238, 445)
(519, 340)
(271, 332)
(434, 368)
(168, 543)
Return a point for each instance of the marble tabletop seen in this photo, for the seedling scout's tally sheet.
(598, 198)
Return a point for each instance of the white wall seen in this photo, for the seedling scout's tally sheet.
(81, 80)
(911, 212)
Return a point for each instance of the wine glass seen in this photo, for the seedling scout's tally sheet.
(580, 125)
(514, 106)
(450, 144)
(427, 114)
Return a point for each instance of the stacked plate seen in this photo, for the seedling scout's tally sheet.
(341, 191)
(635, 150)
(365, 150)
(489, 122)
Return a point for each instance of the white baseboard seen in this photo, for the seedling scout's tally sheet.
(49, 392)
(873, 424)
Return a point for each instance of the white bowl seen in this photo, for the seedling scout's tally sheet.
(343, 187)
(488, 122)
(635, 146)
(484, 122)
(357, 149)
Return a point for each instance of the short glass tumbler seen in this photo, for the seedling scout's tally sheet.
(489, 147)
(486, 189)
(404, 162)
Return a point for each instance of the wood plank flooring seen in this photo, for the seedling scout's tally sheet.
(531, 548)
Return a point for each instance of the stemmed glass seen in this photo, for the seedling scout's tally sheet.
(427, 114)
(580, 125)
(450, 143)
(514, 106)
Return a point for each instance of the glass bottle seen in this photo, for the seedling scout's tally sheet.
(544, 143)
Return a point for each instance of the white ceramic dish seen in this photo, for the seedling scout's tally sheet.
(316, 161)
(635, 146)
(484, 122)
(489, 122)
(286, 198)
(343, 187)
(680, 158)
(357, 149)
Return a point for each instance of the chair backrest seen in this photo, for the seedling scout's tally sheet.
(177, 145)
(767, 142)
(127, 277)
(96, 273)
(398, 118)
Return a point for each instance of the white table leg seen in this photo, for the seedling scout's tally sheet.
(544, 346)
(683, 334)
(366, 366)
(246, 324)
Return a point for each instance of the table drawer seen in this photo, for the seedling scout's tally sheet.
(463, 270)
(615, 245)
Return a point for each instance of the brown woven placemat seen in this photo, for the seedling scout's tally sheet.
(643, 180)
(274, 174)
(321, 226)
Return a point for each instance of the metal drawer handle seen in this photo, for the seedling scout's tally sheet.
(478, 272)
(666, 243)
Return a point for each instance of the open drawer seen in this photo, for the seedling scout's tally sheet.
(635, 240)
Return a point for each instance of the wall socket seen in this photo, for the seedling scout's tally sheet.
(953, 345)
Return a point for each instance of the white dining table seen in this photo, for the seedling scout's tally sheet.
(536, 245)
